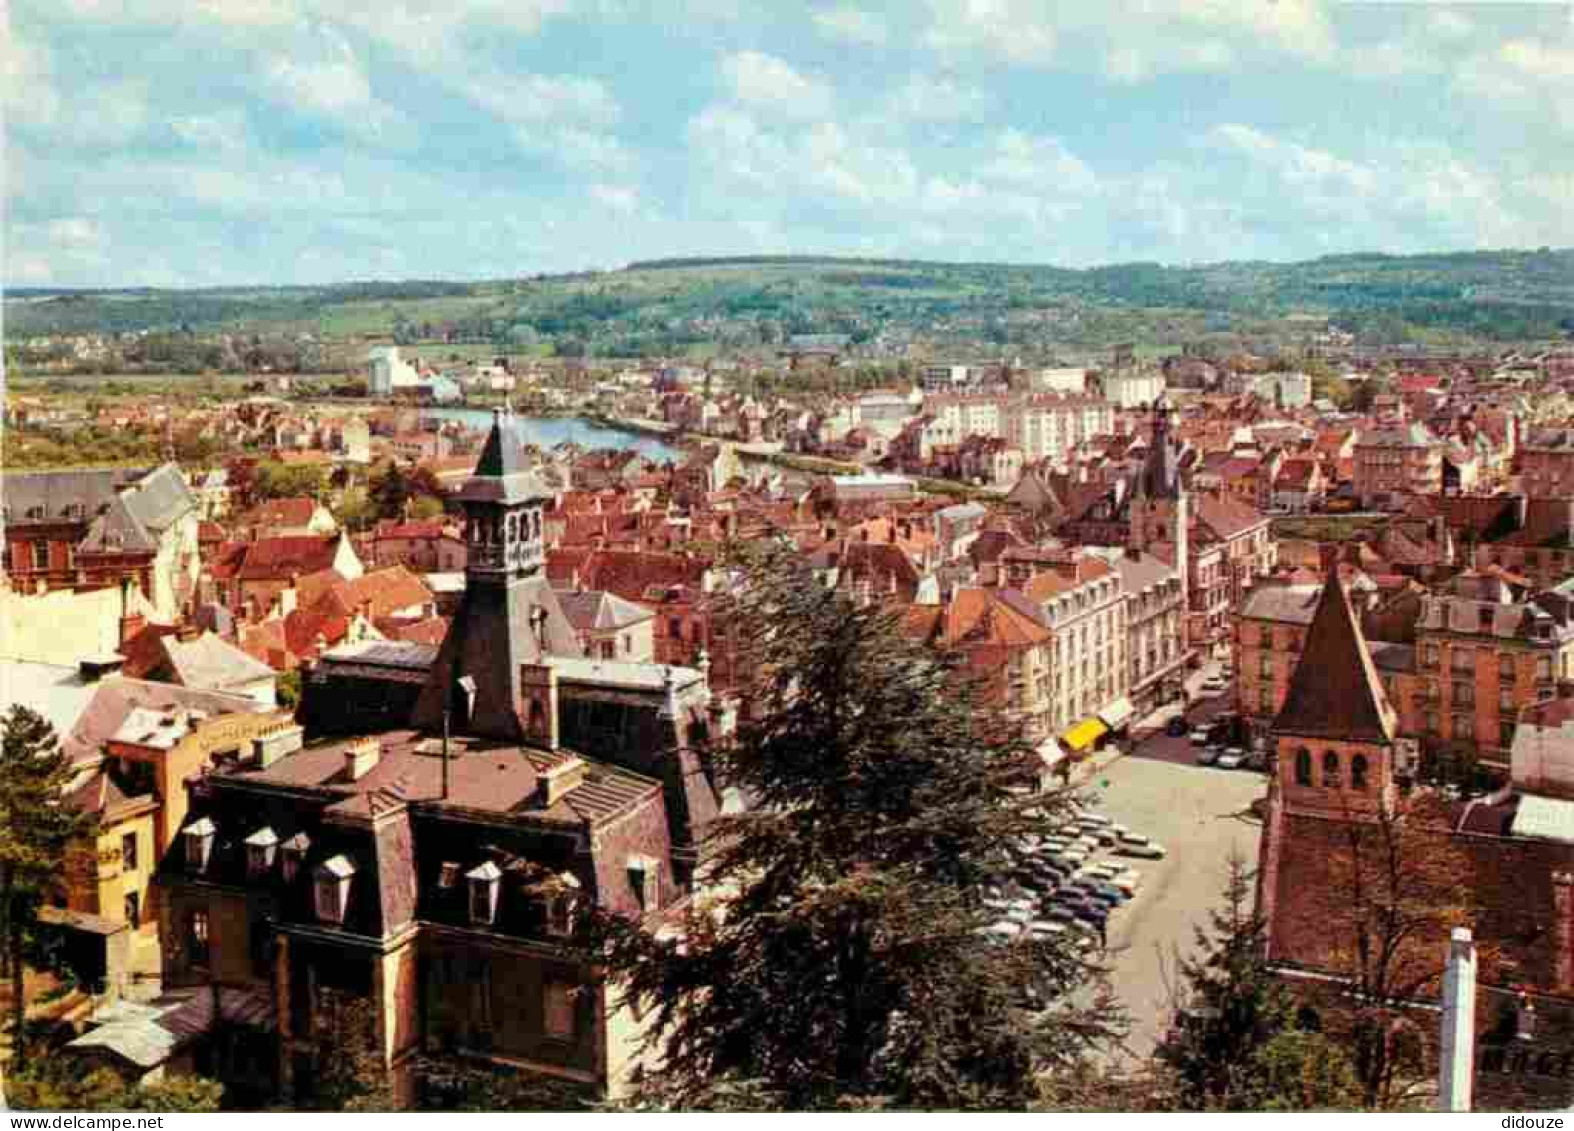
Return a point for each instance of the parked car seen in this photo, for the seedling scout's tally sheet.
(1256, 760)
(1176, 726)
(1213, 685)
(1089, 818)
(1140, 846)
(1128, 882)
(1199, 737)
(1091, 912)
(1207, 755)
(1232, 759)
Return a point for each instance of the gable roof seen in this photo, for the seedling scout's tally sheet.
(1335, 692)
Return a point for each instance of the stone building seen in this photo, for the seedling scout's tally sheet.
(92, 529)
(415, 862)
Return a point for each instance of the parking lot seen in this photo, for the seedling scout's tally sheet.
(1200, 815)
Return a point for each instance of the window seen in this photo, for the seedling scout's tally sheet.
(484, 881)
(1543, 668)
(1330, 769)
(1464, 695)
(331, 892)
(1432, 723)
(1429, 655)
(197, 936)
(1358, 772)
(133, 910)
(557, 1011)
(1505, 735)
(41, 554)
(295, 850)
(1505, 668)
(1303, 766)
(199, 844)
(1462, 659)
(128, 852)
(261, 848)
(1464, 726)
(645, 877)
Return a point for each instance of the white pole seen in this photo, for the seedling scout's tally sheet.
(1457, 1062)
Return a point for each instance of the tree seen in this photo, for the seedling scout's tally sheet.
(35, 828)
(59, 1083)
(1396, 893)
(1230, 1003)
(1300, 1071)
(841, 960)
(288, 688)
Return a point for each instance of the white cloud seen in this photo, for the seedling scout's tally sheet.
(851, 25)
(1524, 75)
(768, 83)
(619, 198)
(27, 81)
(1028, 160)
(925, 99)
(1297, 164)
(324, 78)
(544, 98)
(1017, 31)
(75, 232)
(225, 129)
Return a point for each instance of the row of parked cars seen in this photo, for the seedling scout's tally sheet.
(1058, 887)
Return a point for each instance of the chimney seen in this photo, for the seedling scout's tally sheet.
(1456, 1061)
(268, 746)
(557, 779)
(539, 709)
(361, 757)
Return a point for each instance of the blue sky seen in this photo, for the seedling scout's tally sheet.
(205, 142)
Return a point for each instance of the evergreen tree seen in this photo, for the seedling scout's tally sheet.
(35, 828)
(1230, 1003)
(839, 958)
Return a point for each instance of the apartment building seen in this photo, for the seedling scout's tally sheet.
(1082, 602)
(1546, 462)
(1392, 463)
(1461, 666)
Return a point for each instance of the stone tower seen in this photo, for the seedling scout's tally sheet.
(509, 618)
(1334, 736)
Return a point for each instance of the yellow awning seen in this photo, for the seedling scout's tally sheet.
(1084, 734)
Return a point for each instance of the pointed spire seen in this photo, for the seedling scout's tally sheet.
(501, 474)
(1335, 692)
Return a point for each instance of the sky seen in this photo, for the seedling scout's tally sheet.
(225, 142)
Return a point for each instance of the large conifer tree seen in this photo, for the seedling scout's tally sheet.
(839, 958)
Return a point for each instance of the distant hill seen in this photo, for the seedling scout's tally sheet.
(669, 305)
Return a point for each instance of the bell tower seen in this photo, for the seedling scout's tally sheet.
(502, 503)
(509, 620)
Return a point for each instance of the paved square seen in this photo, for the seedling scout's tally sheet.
(1198, 814)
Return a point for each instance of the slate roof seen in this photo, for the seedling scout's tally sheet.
(590, 610)
(501, 475)
(213, 663)
(115, 698)
(45, 496)
(1335, 692)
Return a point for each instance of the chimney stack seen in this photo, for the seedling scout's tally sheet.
(361, 757)
(1456, 1062)
(269, 745)
(556, 780)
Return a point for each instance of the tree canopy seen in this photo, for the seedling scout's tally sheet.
(840, 958)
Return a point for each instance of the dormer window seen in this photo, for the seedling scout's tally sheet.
(295, 850)
(199, 844)
(484, 880)
(448, 878)
(261, 848)
(331, 891)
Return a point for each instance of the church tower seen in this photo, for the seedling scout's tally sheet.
(1335, 734)
(509, 618)
(1159, 510)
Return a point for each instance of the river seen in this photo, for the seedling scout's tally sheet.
(549, 431)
